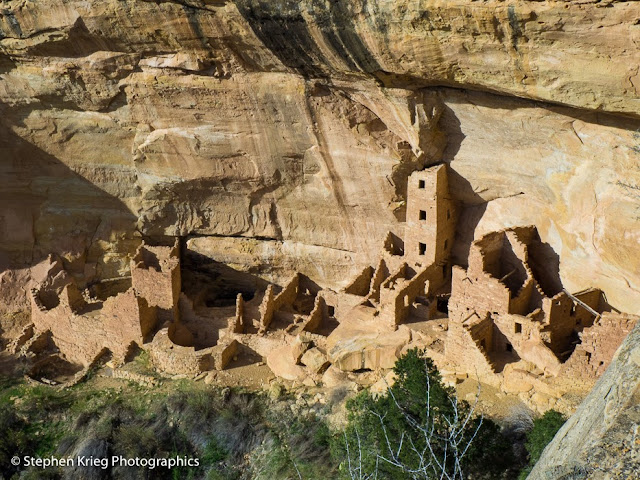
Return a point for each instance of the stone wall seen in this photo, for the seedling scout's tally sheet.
(317, 316)
(81, 336)
(398, 294)
(155, 276)
(499, 287)
(362, 283)
(266, 310)
(175, 359)
(236, 324)
(379, 276)
(481, 293)
(598, 345)
(430, 219)
(470, 355)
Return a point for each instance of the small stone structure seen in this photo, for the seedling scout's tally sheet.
(155, 276)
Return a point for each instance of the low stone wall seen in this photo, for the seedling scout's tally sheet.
(317, 316)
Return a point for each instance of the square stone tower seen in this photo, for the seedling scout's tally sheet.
(431, 218)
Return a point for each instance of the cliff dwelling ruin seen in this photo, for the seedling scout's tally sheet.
(503, 318)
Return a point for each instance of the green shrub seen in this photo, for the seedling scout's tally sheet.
(213, 452)
(543, 431)
(418, 429)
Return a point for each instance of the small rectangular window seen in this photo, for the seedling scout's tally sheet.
(331, 310)
(446, 244)
(423, 215)
(421, 184)
(518, 327)
(422, 248)
(448, 214)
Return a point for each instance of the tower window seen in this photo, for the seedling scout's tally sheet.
(446, 244)
(422, 248)
(448, 214)
(423, 215)
(331, 310)
(518, 327)
(421, 184)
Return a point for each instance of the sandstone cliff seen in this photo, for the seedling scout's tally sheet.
(279, 135)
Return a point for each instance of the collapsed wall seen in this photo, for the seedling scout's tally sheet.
(600, 440)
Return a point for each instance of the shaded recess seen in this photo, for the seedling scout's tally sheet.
(214, 284)
(502, 263)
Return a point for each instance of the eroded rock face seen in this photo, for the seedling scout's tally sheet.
(282, 133)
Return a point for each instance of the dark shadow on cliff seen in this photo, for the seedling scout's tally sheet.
(74, 41)
(281, 26)
(471, 206)
(47, 208)
(545, 266)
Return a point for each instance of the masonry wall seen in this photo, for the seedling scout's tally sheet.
(236, 323)
(288, 294)
(521, 303)
(379, 276)
(598, 346)
(266, 309)
(561, 325)
(272, 303)
(397, 303)
(485, 254)
(523, 335)
(362, 283)
(594, 299)
(81, 337)
(176, 359)
(483, 294)
(155, 276)
(466, 350)
(341, 302)
(317, 316)
(431, 217)
(482, 333)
